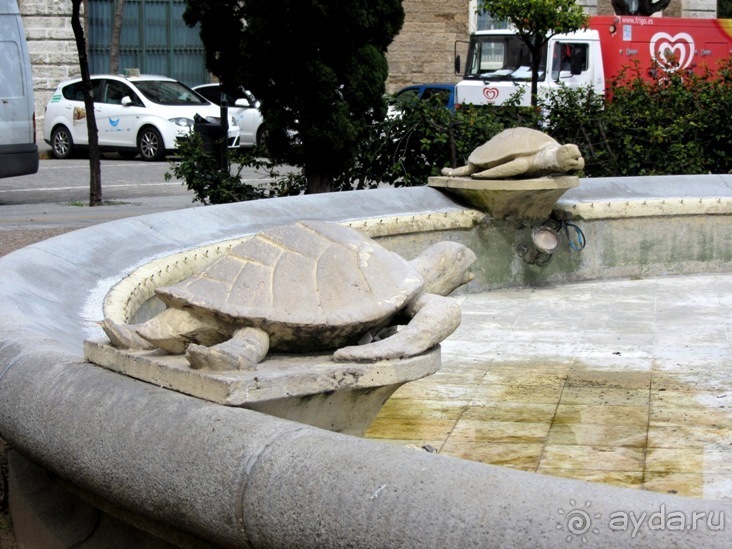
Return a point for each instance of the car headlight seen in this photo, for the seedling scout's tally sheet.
(181, 121)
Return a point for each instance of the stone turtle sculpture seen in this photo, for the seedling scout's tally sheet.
(310, 286)
(519, 153)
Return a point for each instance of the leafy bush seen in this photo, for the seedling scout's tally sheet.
(406, 149)
(211, 184)
(674, 123)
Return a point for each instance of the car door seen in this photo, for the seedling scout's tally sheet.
(115, 121)
(248, 117)
(571, 66)
(75, 114)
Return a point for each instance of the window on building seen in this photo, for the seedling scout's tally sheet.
(482, 20)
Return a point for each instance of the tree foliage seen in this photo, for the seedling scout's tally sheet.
(724, 9)
(536, 21)
(318, 69)
(674, 123)
(405, 150)
(214, 184)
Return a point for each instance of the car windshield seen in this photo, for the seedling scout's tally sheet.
(497, 58)
(165, 92)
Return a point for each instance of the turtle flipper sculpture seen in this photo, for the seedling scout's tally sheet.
(519, 153)
(310, 286)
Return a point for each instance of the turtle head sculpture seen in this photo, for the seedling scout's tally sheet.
(306, 287)
(520, 153)
(569, 159)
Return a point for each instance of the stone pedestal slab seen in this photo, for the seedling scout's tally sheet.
(308, 388)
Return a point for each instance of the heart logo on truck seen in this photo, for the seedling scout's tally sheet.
(490, 93)
(680, 47)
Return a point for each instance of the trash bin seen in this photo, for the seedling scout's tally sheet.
(214, 137)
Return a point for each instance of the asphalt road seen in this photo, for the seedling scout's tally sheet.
(56, 199)
(62, 187)
(66, 181)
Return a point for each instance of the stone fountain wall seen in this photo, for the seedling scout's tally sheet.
(160, 464)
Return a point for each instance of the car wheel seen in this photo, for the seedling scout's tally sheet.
(62, 145)
(150, 144)
(261, 140)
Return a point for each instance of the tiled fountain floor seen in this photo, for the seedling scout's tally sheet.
(627, 382)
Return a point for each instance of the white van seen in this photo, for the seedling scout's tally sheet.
(18, 148)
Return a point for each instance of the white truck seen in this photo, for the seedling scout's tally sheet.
(18, 148)
(498, 61)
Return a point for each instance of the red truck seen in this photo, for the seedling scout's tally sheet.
(498, 60)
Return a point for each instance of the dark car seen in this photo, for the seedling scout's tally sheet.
(444, 93)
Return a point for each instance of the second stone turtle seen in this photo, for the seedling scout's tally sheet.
(519, 153)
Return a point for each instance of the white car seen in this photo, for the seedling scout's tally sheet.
(135, 115)
(245, 110)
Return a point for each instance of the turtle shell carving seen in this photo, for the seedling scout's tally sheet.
(508, 145)
(307, 282)
(304, 287)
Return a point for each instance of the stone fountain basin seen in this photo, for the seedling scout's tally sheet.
(521, 200)
(197, 473)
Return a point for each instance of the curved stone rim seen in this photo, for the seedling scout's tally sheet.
(236, 477)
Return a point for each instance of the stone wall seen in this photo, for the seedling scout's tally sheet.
(424, 49)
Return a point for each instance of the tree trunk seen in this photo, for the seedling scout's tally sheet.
(318, 183)
(116, 32)
(95, 176)
(535, 48)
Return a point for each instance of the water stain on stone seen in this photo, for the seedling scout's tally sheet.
(658, 430)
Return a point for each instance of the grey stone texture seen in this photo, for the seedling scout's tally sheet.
(302, 287)
(168, 462)
(522, 201)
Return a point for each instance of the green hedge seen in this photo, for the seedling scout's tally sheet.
(674, 123)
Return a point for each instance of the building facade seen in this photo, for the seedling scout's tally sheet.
(424, 50)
